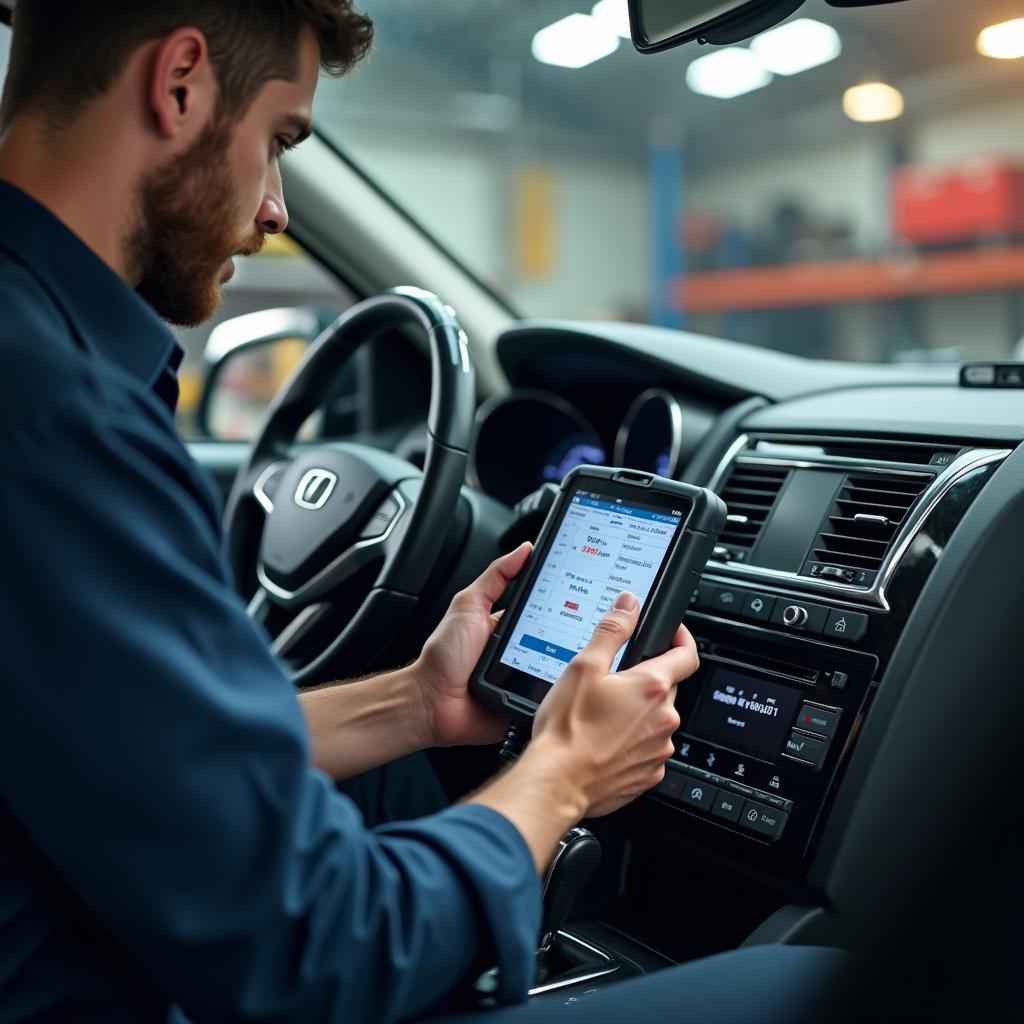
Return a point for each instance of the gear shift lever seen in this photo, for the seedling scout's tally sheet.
(577, 858)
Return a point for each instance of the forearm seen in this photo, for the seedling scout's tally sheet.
(356, 726)
(539, 796)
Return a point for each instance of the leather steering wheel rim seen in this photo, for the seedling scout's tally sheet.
(426, 501)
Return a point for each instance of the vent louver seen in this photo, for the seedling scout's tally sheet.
(865, 519)
(750, 494)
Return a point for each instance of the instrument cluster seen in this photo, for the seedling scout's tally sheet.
(528, 437)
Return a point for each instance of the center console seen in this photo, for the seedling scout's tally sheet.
(828, 545)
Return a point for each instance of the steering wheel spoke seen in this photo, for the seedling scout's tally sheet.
(375, 544)
(266, 482)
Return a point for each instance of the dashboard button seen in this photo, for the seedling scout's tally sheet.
(775, 780)
(838, 679)
(806, 749)
(848, 626)
(727, 806)
(738, 767)
(728, 599)
(672, 785)
(819, 720)
(382, 519)
(808, 618)
(696, 793)
(767, 821)
(705, 596)
(693, 752)
(757, 606)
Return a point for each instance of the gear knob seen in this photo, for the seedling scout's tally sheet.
(577, 858)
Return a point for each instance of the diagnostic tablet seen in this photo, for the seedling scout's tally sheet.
(608, 531)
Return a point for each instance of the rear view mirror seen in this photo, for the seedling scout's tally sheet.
(662, 24)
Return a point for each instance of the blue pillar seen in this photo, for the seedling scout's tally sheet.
(666, 173)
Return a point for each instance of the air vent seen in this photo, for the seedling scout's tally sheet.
(750, 493)
(865, 518)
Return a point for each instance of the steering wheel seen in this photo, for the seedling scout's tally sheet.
(311, 523)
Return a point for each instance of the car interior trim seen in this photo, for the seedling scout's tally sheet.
(875, 594)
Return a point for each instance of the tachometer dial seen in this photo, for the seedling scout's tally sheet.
(526, 438)
(651, 435)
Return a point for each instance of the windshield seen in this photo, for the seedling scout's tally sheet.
(758, 194)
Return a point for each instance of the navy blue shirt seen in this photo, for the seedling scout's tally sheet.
(164, 840)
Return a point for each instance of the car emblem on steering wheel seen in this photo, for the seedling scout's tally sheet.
(315, 488)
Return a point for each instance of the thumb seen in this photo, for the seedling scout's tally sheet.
(615, 628)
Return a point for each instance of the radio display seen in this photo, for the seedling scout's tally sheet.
(745, 713)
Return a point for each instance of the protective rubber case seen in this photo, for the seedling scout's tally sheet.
(667, 603)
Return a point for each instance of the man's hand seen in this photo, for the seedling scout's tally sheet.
(600, 739)
(441, 673)
(615, 729)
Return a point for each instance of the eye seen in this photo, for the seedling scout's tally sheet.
(281, 145)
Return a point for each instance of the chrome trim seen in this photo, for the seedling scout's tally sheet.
(609, 966)
(833, 462)
(258, 491)
(324, 575)
(257, 604)
(297, 628)
(675, 415)
(944, 479)
(718, 477)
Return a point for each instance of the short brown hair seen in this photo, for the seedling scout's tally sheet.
(66, 53)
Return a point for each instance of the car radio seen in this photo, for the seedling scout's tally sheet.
(765, 723)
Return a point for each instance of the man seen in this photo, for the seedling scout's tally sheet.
(169, 831)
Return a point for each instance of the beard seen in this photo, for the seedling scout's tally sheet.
(187, 229)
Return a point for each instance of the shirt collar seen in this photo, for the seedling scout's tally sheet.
(108, 317)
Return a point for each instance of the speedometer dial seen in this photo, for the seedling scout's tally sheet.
(651, 435)
(527, 438)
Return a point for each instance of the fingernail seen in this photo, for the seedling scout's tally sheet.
(626, 602)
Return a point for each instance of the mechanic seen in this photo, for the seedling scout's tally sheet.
(170, 834)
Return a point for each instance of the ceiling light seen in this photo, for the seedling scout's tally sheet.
(615, 15)
(798, 46)
(1004, 41)
(727, 73)
(574, 42)
(873, 101)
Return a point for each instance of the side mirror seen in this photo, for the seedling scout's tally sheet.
(247, 358)
(662, 24)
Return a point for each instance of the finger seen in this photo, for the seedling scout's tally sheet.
(684, 638)
(614, 629)
(675, 665)
(494, 581)
(496, 618)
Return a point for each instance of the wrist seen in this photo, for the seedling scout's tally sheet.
(421, 714)
(547, 767)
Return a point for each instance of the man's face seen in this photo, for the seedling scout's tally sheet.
(221, 198)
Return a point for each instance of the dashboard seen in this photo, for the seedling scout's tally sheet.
(846, 486)
(535, 434)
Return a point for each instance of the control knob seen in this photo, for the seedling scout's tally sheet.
(794, 615)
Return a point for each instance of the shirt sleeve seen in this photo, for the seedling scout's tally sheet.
(156, 756)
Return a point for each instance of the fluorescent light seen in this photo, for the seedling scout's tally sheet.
(574, 42)
(873, 101)
(615, 15)
(799, 46)
(1004, 41)
(727, 73)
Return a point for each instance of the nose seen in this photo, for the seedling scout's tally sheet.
(272, 216)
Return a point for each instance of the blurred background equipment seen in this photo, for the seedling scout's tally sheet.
(749, 190)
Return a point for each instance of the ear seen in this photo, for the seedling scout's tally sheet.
(183, 88)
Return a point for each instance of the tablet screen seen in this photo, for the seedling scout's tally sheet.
(603, 545)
